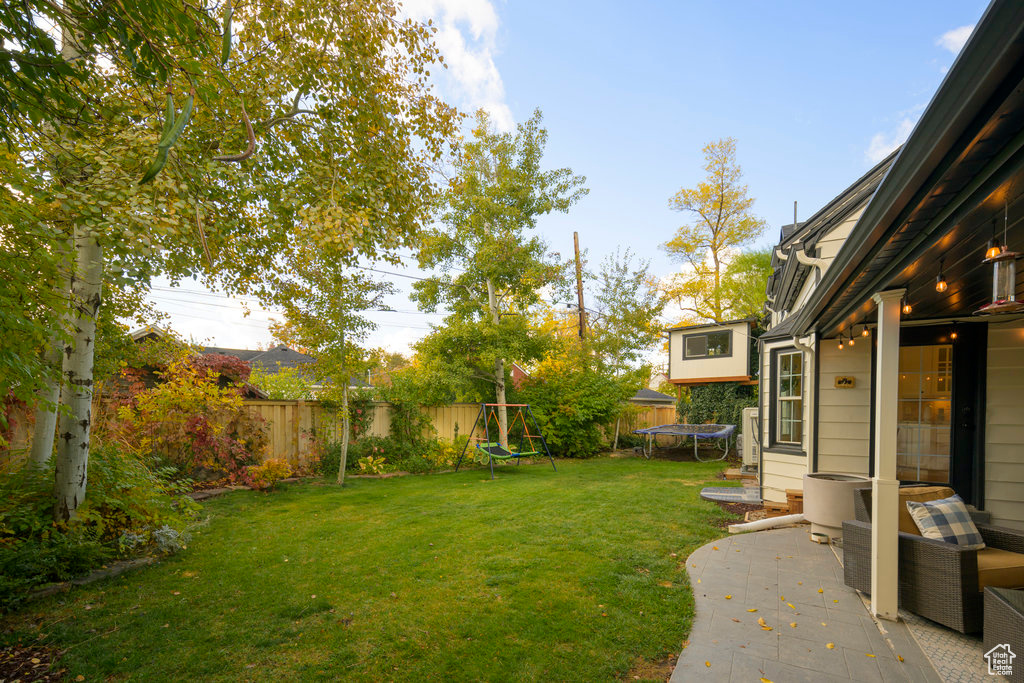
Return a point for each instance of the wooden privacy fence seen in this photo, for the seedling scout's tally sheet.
(295, 426)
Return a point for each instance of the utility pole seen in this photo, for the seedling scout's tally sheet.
(579, 284)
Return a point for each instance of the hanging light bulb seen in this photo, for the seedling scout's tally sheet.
(993, 243)
(840, 341)
(953, 335)
(940, 280)
(907, 308)
(851, 337)
(865, 332)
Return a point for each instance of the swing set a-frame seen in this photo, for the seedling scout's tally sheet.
(489, 451)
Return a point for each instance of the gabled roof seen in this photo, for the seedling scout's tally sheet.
(789, 274)
(651, 396)
(967, 144)
(270, 360)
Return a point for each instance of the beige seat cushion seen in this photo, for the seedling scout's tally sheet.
(1000, 568)
(920, 494)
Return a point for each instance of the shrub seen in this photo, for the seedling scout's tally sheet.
(266, 475)
(573, 406)
(130, 508)
(372, 465)
(194, 419)
(721, 403)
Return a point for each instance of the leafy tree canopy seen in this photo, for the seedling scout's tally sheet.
(721, 223)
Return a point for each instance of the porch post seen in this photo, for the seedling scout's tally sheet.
(884, 485)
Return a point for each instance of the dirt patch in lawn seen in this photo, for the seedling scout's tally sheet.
(737, 510)
(18, 663)
(644, 670)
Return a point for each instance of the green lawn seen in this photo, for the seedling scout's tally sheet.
(534, 576)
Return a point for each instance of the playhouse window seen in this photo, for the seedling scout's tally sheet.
(708, 344)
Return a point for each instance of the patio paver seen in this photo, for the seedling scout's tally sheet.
(788, 580)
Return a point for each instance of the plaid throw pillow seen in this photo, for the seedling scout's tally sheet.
(946, 520)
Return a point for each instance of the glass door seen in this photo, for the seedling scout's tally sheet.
(925, 414)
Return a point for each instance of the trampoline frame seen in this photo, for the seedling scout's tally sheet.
(681, 431)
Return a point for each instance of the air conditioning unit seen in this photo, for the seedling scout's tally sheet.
(751, 433)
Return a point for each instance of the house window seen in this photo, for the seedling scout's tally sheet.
(707, 345)
(789, 395)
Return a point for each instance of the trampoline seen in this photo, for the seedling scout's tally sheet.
(681, 431)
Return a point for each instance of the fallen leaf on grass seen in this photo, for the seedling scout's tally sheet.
(79, 677)
(668, 584)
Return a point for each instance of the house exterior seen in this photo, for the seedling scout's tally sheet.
(712, 352)
(930, 390)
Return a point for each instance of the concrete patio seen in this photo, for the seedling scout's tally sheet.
(819, 628)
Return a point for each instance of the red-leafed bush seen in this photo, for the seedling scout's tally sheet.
(193, 417)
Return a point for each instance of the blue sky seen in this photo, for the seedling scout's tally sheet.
(813, 92)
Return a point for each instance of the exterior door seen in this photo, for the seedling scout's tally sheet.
(924, 439)
(940, 438)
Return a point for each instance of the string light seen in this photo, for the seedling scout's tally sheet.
(907, 308)
(940, 280)
(865, 332)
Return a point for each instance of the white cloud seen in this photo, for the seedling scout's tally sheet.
(955, 39)
(467, 37)
(883, 143)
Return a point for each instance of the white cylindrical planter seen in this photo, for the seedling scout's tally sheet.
(828, 500)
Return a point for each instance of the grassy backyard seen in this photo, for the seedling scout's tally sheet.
(534, 576)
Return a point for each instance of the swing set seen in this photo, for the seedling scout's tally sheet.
(488, 451)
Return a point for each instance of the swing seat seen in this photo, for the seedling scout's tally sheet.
(496, 451)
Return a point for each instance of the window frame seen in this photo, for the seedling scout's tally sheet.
(788, 447)
(728, 332)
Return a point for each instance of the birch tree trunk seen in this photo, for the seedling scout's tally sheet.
(72, 461)
(46, 409)
(343, 462)
(499, 370)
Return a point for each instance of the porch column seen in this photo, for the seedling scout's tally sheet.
(884, 485)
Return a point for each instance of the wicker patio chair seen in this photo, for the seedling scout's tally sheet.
(937, 580)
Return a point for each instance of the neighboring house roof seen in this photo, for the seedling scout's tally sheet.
(270, 361)
(651, 396)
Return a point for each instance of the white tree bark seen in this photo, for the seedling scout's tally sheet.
(46, 409)
(343, 462)
(72, 459)
(499, 371)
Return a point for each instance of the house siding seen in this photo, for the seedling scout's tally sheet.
(1004, 429)
(781, 470)
(844, 415)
